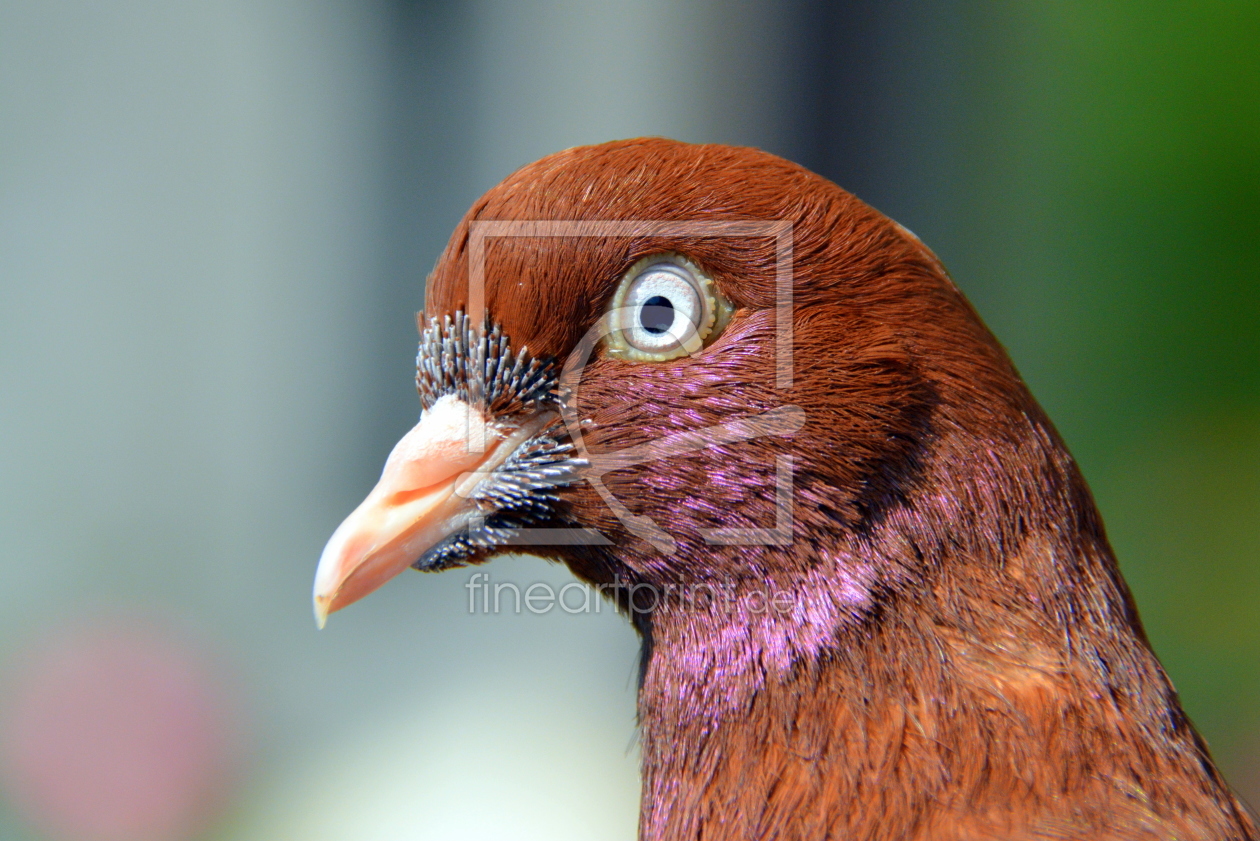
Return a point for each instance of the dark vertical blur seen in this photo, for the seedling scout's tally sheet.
(430, 129)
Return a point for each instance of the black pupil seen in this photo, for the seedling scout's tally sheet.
(657, 314)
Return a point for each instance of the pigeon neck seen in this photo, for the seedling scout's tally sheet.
(920, 722)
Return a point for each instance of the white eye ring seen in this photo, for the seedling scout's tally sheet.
(665, 307)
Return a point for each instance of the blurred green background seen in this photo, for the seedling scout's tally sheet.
(215, 221)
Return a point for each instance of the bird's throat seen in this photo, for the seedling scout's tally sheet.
(918, 723)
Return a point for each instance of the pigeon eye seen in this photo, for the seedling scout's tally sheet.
(665, 307)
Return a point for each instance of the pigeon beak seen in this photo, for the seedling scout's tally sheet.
(421, 499)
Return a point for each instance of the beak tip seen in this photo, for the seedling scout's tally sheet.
(321, 613)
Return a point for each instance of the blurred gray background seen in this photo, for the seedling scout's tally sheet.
(215, 224)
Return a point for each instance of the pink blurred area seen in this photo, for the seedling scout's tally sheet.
(117, 730)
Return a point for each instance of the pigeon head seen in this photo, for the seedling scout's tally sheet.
(689, 366)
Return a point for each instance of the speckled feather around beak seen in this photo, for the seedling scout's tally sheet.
(483, 462)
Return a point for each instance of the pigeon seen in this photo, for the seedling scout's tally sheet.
(875, 596)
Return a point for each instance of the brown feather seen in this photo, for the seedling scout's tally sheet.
(961, 657)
